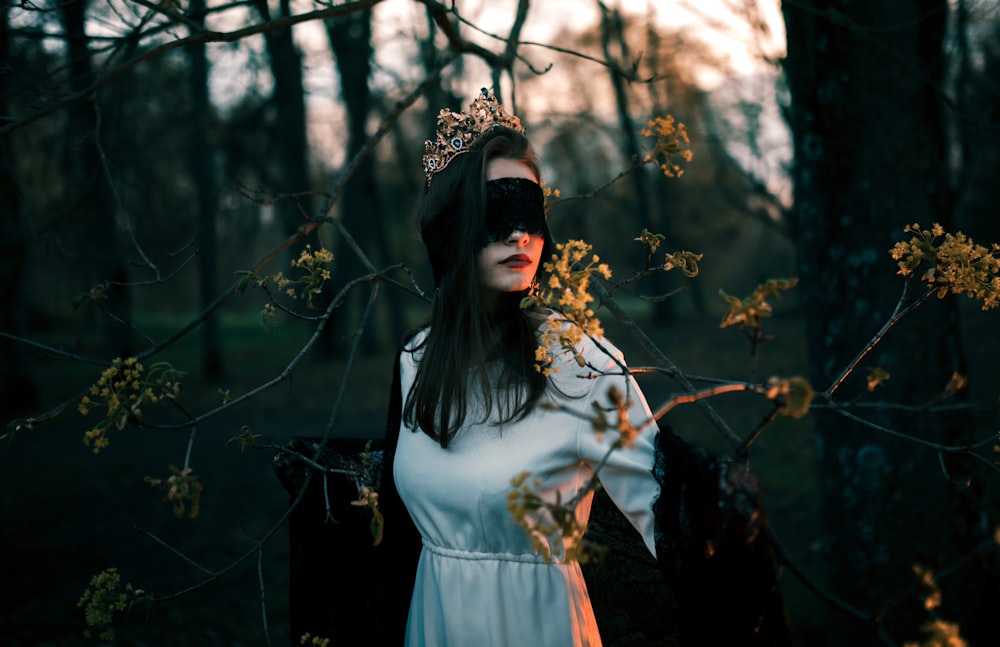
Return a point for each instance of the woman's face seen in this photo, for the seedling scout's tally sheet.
(509, 265)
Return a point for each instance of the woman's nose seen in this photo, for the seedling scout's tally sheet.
(518, 237)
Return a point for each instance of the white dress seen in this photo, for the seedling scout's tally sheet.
(479, 581)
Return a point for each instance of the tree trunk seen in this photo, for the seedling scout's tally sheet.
(360, 207)
(93, 207)
(292, 159)
(978, 130)
(660, 283)
(18, 391)
(870, 157)
(203, 175)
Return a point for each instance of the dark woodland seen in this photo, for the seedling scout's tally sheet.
(172, 175)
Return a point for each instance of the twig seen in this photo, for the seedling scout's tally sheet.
(637, 163)
(785, 559)
(263, 594)
(52, 350)
(898, 313)
(109, 178)
(608, 301)
(319, 467)
(176, 552)
(122, 321)
(950, 449)
(698, 396)
(287, 371)
(437, 9)
(326, 493)
(215, 575)
(744, 449)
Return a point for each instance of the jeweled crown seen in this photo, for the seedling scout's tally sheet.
(457, 132)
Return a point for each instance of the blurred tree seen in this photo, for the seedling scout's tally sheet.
(718, 208)
(674, 91)
(978, 92)
(360, 208)
(442, 94)
(201, 161)
(291, 158)
(617, 55)
(92, 205)
(18, 391)
(870, 149)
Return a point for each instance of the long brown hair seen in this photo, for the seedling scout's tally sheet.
(473, 354)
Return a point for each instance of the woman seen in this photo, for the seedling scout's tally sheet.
(476, 411)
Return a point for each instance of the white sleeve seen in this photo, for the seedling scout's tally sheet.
(627, 473)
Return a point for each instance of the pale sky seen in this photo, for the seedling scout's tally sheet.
(715, 22)
(397, 22)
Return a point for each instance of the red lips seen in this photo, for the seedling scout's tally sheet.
(516, 261)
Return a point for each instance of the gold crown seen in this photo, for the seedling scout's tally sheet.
(457, 132)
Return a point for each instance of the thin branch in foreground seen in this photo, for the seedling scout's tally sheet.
(258, 544)
(647, 344)
(171, 549)
(898, 313)
(263, 594)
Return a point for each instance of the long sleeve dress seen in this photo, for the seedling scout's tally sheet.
(480, 581)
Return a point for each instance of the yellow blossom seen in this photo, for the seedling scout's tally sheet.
(671, 140)
(121, 390)
(955, 263)
(568, 292)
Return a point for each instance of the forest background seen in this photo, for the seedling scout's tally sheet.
(159, 160)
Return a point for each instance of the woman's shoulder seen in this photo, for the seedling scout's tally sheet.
(412, 348)
(414, 339)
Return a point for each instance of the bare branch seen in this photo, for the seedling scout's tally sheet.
(898, 313)
(647, 344)
(203, 37)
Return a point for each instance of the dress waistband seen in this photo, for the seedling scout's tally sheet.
(478, 556)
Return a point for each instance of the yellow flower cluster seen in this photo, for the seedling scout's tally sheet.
(309, 259)
(875, 377)
(600, 423)
(548, 192)
(121, 390)
(651, 241)
(956, 263)
(567, 292)
(246, 438)
(937, 631)
(686, 262)
(182, 487)
(671, 142)
(749, 311)
(795, 395)
(313, 641)
(368, 498)
(100, 602)
(552, 528)
(315, 266)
